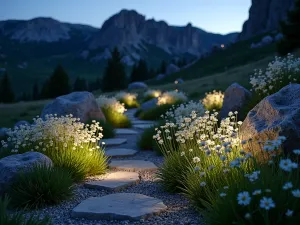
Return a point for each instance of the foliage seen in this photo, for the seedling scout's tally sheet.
(6, 92)
(171, 97)
(57, 84)
(213, 100)
(18, 218)
(111, 103)
(150, 94)
(129, 99)
(140, 71)
(118, 120)
(278, 74)
(291, 31)
(69, 143)
(114, 76)
(138, 112)
(108, 130)
(269, 195)
(80, 84)
(40, 186)
(156, 113)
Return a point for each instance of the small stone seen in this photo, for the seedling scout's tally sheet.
(142, 126)
(121, 206)
(114, 181)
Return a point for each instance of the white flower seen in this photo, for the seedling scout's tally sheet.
(244, 198)
(247, 216)
(256, 192)
(289, 212)
(296, 193)
(202, 174)
(202, 184)
(196, 159)
(182, 153)
(222, 194)
(296, 151)
(267, 203)
(287, 185)
(225, 187)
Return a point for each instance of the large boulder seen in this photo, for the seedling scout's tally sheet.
(276, 115)
(235, 98)
(160, 76)
(266, 40)
(11, 165)
(171, 68)
(81, 105)
(137, 85)
(278, 37)
(152, 103)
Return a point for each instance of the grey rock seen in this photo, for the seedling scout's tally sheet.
(121, 206)
(160, 76)
(266, 40)
(22, 123)
(143, 126)
(278, 37)
(114, 181)
(171, 68)
(81, 105)
(133, 165)
(265, 16)
(276, 115)
(137, 85)
(11, 165)
(3, 132)
(151, 104)
(235, 98)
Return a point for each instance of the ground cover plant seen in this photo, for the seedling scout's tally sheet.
(114, 111)
(150, 94)
(213, 100)
(128, 99)
(69, 143)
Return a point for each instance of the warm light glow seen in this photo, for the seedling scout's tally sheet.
(176, 90)
(222, 45)
(171, 97)
(176, 82)
(152, 93)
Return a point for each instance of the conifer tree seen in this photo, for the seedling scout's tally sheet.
(291, 31)
(114, 76)
(80, 84)
(35, 92)
(6, 93)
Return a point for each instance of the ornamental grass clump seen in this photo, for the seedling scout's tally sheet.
(129, 99)
(114, 111)
(279, 73)
(150, 94)
(203, 142)
(213, 100)
(70, 144)
(40, 186)
(268, 195)
(171, 97)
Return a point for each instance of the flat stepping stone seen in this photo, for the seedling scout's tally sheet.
(114, 181)
(125, 132)
(120, 152)
(142, 126)
(142, 122)
(113, 141)
(120, 206)
(133, 165)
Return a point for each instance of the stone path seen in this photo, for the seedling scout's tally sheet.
(127, 172)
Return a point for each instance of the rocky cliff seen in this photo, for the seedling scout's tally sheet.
(130, 29)
(265, 16)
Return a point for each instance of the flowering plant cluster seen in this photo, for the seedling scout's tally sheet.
(111, 103)
(213, 100)
(152, 94)
(171, 97)
(54, 133)
(278, 74)
(185, 110)
(129, 99)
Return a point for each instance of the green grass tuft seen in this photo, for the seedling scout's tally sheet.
(40, 186)
(156, 113)
(118, 120)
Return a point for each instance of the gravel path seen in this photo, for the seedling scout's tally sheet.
(179, 211)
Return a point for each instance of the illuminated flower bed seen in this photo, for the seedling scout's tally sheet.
(129, 99)
(213, 100)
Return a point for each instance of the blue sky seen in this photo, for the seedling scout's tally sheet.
(218, 16)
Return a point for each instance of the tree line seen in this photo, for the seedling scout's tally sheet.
(114, 78)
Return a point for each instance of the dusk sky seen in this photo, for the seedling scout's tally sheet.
(218, 16)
